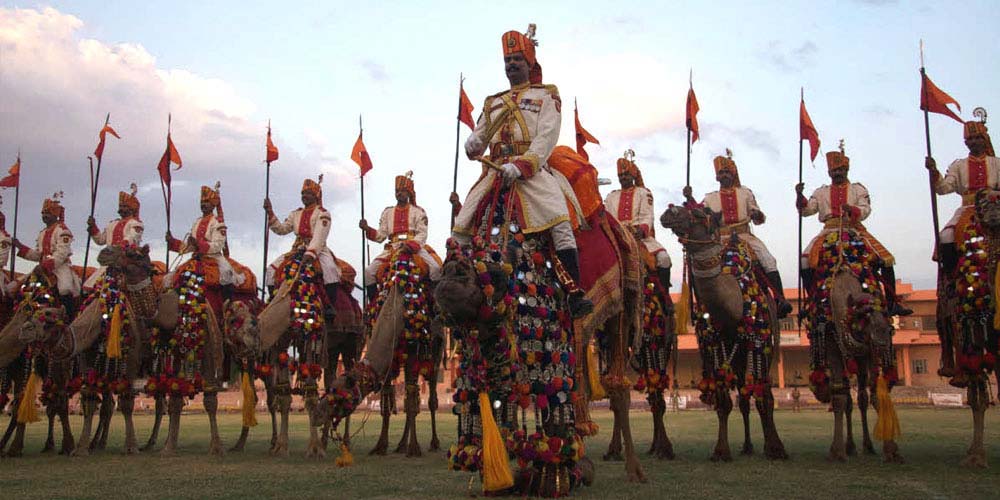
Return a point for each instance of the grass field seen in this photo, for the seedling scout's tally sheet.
(933, 443)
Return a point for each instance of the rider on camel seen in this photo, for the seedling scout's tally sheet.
(844, 204)
(121, 232)
(53, 250)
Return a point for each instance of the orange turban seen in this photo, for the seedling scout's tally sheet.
(129, 199)
(313, 187)
(51, 206)
(837, 159)
(974, 128)
(514, 42)
(210, 195)
(405, 183)
(726, 163)
(627, 165)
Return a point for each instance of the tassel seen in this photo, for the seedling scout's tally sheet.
(114, 347)
(996, 300)
(26, 412)
(887, 425)
(496, 465)
(249, 401)
(682, 309)
(597, 391)
(346, 459)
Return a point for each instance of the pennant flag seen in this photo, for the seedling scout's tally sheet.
(465, 109)
(934, 100)
(807, 131)
(360, 156)
(692, 115)
(272, 150)
(582, 136)
(169, 156)
(14, 175)
(100, 145)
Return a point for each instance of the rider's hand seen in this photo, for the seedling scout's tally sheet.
(308, 258)
(800, 187)
(453, 199)
(757, 217)
(363, 225)
(510, 173)
(473, 147)
(267, 207)
(930, 164)
(687, 193)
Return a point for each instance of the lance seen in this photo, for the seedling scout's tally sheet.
(95, 181)
(687, 183)
(165, 189)
(267, 219)
(17, 197)
(458, 131)
(927, 139)
(798, 254)
(364, 237)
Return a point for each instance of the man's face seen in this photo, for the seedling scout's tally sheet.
(308, 198)
(207, 207)
(48, 218)
(124, 210)
(402, 196)
(976, 145)
(725, 178)
(839, 175)
(626, 179)
(516, 67)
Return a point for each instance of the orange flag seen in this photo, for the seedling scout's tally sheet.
(360, 156)
(169, 156)
(692, 115)
(465, 108)
(272, 150)
(807, 131)
(582, 136)
(934, 100)
(14, 175)
(100, 145)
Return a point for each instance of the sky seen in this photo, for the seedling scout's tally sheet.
(224, 69)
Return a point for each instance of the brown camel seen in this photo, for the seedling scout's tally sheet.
(723, 349)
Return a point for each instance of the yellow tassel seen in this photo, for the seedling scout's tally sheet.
(114, 347)
(249, 401)
(887, 426)
(496, 465)
(345, 459)
(996, 300)
(682, 309)
(597, 391)
(26, 412)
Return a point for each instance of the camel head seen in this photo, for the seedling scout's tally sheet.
(988, 209)
(132, 261)
(43, 325)
(871, 327)
(242, 331)
(460, 294)
(694, 227)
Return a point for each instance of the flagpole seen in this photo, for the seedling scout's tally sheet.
(458, 131)
(166, 192)
(927, 139)
(17, 197)
(798, 254)
(94, 186)
(687, 183)
(364, 240)
(267, 219)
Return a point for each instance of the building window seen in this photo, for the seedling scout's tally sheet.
(928, 323)
(919, 366)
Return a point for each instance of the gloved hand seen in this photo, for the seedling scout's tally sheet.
(473, 146)
(510, 173)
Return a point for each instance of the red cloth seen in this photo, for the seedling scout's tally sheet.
(272, 150)
(99, 151)
(838, 197)
(977, 173)
(360, 156)
(730, 206)
(400, 220)
(465, 108)
(582, 136)
(305, 223)
(934, 100)
(691, 110)
(596, 249)
(807, 131)
(14, 176)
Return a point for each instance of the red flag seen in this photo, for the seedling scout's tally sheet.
(272, 150)
(934, 100)
(465, 109)
(360, 156)
(692, 115)
(582, 136)
(100, 145)
(14, 175)
(169, 156)
(807, 131)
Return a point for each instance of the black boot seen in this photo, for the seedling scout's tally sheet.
(784, 308)
(807, 287)
(579, 306)
(948, 253)
(889, 284)
(227, 292)
(664, 274)
(69, 304)
(371, 291)
(331, 298)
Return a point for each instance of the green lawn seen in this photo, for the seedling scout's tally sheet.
(933, 443)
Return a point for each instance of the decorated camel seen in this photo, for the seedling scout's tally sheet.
(738, 330)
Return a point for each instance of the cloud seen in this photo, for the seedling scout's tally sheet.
(374, 70)
(789, 60)
(753, 138)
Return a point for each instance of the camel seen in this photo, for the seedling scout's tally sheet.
(967, 320)
(722, 343)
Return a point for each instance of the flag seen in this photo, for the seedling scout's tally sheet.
(169, 156)
(14, 175)
(692, 115)
(934, 100)
(272, 150)
(465, 109)
(807, 131)
(360, 156)
(582, 136)
(100, 145)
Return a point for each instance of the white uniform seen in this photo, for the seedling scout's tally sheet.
(53, 250)
(736, 204)
(398, 225)
(966, 178)
(5, 244)
(311, 226)
(521, 126)
(209, 232)
(633, 207)
(118, 232)
(827, 201)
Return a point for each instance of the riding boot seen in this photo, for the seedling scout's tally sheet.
(227, 292)
(664, 274)
(807, 287)
(372, 292)
(779, 294)
(889, 283)
(948, 253)
(331, 298)
(579, 306)
(69, 304)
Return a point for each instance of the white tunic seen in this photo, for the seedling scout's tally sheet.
(398, 225)
(53, 250)
(311, 233)
(209, 233)
(736, 204)
(5, 244)
(965, 181)
(118, 232)
(633, 207)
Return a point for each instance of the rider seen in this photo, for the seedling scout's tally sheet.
(520, 127)
(53, 250)
(965, 176)
(311, 225)
(845, 203)
(739, 208)
(6, 280)
(632, 205)
(126, 230)
(400, 223)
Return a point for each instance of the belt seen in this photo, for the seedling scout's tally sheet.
(502, 152)
(739, 228)
(835, 223)
(969, 199)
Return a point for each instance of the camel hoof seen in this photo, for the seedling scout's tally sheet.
(836, 457)
(721, 456)
(49, 447)
(946, 371)
(67, 450)
(869, 449)
(315, 452)
(852, 450)
(613, 456)
(280, 450)
(380, 449)
(215, 448)
(435, 445)
(665, 453)
(148, 446)
(975, 460)
(168, 451)
(586, 471)
(634, 471)
(237, 448)
(80, 451)
(776, 453)
(132, 450)
(893, 458)
(747, 449)
(13, 453)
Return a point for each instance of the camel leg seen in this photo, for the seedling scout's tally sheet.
(17, 445)
(127, 404)
(284, 404)
(89, 404)
(315, 448)
(412, 410)
(723, 407)
(849, 438)
(744, 402)
(662, 448)
(100, 440)
(978, 401)
(382, 446)
(50, 441)
(774, 449)
(620, 402)
(62, 412)
(160, 407)
(863, 401)
(432, 406)
(272, 409)
(838, 449)
(211, 402)
(615, 445)
(174, 406)
(242, 441)
(10, 428)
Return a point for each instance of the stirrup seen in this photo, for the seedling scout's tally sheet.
(898, 310)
